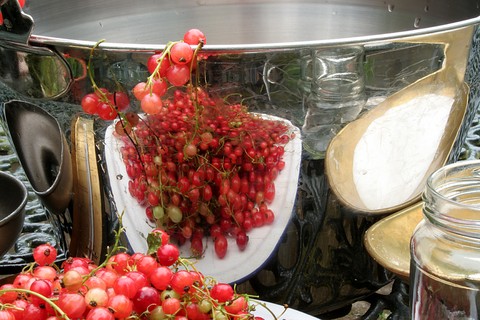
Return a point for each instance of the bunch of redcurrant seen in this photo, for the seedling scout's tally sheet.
(200, 165)
(205, 173)
(126, 286)
(174, 65)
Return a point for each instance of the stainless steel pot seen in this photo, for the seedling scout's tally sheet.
(269, 50)
(274, 54)
(62, 32)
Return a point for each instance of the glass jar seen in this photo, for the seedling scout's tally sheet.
(337, 94)
(445, 246)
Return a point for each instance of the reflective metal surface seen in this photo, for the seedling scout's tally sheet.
(40, 226)
(51, 62)
(43, 152)
(36, 71)
(13, 199)
(241, 24)
(264, 51)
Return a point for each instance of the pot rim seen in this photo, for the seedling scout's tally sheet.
(117, 46)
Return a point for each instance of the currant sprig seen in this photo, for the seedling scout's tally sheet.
(200, 165)
(125, 286)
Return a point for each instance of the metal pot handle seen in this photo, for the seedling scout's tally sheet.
(17, 26)
(36, 71)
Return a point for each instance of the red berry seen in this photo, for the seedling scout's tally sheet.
(8, 296)
(146, 265)
(194, 37)
(6, 315)
(181, 53)
(153, 61)
(151, 103)
(121, 306)
(126, 286)
(44, 254)
(161, 277)
(121, 100)
(164, 237)
(100, 313)
(171, 306)
(178, 74)
(90, 103)
(168, 254)
(140, 90)
(147, 298)
(242, 240)
(105, 111)
(18, 308)
(120, 262)
(45, 273)
(221, 245)
(222, 292)
(42, 287)
(73, 304)
(72, 280)
(182, 281)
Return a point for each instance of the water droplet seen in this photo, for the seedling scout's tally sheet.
(427, 8)
(390, 7)
(416, 23)
(119, 177)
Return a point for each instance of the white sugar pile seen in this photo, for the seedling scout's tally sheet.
(395, 152)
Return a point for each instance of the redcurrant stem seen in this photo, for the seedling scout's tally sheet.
(103, 96)
(28, 268)
(225, 99)
(133, 142)
(90, 72)
(186, 264)
(156, 71)
(194, 90)
(264, 305)
(96, 89)
(38, 295)
(197, 80)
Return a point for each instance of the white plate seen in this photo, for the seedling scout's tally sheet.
(263, 310)
(236, 265)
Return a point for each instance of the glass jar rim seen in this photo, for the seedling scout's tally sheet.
(447, 194)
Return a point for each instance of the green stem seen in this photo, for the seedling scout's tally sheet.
(156, 71)
(90, 72)
(51, 303)
(116, 247)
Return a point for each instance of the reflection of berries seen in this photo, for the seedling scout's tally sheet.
(105, 104)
